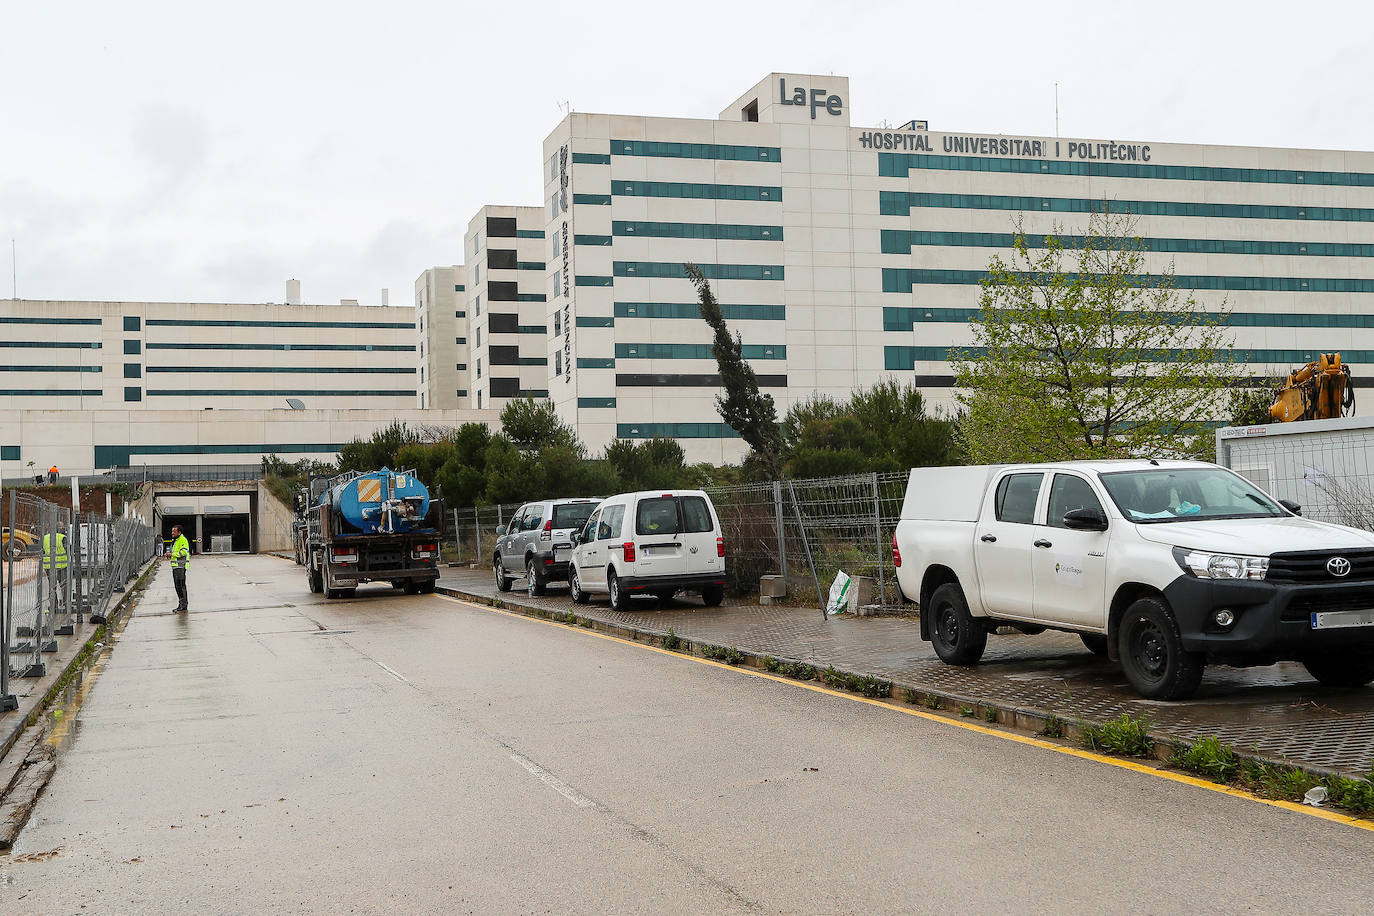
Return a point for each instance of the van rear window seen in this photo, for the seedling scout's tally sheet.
(695, 516)
(673, 515)
(573, 515)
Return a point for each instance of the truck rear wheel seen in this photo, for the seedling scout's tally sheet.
(958, 638)
(1152, 653)
(316, 580)
(1344, 669)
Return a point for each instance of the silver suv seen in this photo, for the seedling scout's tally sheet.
(537, 543)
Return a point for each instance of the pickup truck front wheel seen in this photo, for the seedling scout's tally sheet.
(958, 638)
(1347, 669)
(1152, 653)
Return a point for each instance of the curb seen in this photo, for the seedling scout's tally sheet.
(990, 712)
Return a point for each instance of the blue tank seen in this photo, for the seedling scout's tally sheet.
(382, 502)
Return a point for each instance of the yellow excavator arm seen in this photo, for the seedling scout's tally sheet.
(1320, 390)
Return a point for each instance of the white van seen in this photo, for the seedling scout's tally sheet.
(650, 543)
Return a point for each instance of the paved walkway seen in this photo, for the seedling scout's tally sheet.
(1277, 711)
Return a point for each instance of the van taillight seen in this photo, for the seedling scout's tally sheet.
(896, 554)
(629, 551)
(720, 547)
(547, 533)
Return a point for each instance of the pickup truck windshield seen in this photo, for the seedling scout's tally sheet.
(1185, 495)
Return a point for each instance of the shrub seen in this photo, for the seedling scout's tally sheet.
(1123, 736)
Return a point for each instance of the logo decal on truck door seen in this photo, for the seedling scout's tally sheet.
(1069, 571)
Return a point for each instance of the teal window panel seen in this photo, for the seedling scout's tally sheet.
(677, 270)
(905, 318)
(7, 367)
(460, 314)
(661, 149)
(290, 346)
(534, 360)
(530, 297)
(462, 367)
(582, 280)
(691, 310)
(901, 280)
(293, 370)
(277, 392)
(133, 393)
(133, 323)
(8, 320)
(109, 456)
(596, 402)
(529, 265)
(905, 358)
(529, 233)
(460, 340)
(9, 453)
(224, 323)
(726, 231)
(600, 240)
(462, 392)
(600, 200)
(899, 165)
(52, 392)
(591, 159)
(133, 347)
(680, 189)
(693, 351)
(901, 241)
(133, 370)
(674, 431)
(595, 321)
(50, 344)
(900, 203)
(531, 329)
(595, 362)
(538, 394)
(458, 288)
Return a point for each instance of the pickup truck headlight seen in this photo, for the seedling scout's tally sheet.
(1206, 565)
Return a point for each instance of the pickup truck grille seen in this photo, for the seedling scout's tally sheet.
(1310, 566)
(1320, 601)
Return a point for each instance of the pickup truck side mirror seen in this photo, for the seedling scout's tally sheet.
(1291, 506)
(500, 530)
(1086, 520)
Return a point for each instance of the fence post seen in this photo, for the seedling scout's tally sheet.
(806, 545)
(457, 538)
(8, 700)
(782, 534)
(878, 535)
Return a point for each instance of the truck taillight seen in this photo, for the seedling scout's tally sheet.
(547, 533)
(720, 547)
(343, 554)
(896, 554)
(629, 551)
(421, 551)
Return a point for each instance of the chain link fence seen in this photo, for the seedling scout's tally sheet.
(60, 570)
(806, 531)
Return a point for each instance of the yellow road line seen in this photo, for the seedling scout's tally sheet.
(1118, 762)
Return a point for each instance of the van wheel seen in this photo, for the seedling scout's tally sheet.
(1345, 669)
(1152, 653)
(502, 583)
(1094, 643)
(712, 595)
(534, 578)
(575, 587)
(958, 638)
(620, 601)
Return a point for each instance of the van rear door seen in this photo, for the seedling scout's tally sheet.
(658, 537)
(700, 533)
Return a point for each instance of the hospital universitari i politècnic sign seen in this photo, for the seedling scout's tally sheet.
(1007, 146)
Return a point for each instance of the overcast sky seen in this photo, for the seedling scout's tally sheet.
(191, 151)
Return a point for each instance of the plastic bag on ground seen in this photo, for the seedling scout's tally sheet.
(839, 595)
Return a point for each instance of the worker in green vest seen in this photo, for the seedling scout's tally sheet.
(55, 557)
(181, 558)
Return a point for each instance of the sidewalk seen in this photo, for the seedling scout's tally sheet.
(1277, 711)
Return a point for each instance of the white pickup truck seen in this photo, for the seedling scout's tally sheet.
(1165, 566)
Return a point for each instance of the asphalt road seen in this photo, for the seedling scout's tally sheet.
(276, 752)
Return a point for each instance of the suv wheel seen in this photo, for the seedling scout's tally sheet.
(1152, 653)
(620, 601)
(502, 583)
(575, 587)
(534, 578)
(958, 638)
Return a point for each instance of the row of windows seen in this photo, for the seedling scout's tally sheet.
(696, 151)
(602, 200)
(595, 362)
(673, 270)
(311, 370)
(904, 318)
(276, 392)
(52, 392)
(224, 323)
(900, 241)
(898, 165)
(529, 233)
(595, 321)
(591, 159)
(50, 344)
(687, 380)
(596, 402)
(529, 265)
(4, 368)
(110, 456)
(901, 280)
(674, 431)
(589, 280)
(900, 203)
(593, 240)
(290, 346)
(693, 351)
(695, 190)
(530, 297)
(899, 358)
(723, 231)
(693, 310)
(95, 321)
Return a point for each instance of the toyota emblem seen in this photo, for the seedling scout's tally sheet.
(1338, 567)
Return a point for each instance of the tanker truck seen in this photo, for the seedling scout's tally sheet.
(377, 526)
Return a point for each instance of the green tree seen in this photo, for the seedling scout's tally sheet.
(1077, 352)
(744, 408)
(653, 464)
(378, 451)
(532, 425)
(883, 428)
(1248, 405)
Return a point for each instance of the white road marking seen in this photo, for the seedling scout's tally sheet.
(391, 671)
(553, 782)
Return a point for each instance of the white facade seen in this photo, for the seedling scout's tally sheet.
(441, 329)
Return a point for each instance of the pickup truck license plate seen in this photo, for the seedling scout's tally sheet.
(1334, 619)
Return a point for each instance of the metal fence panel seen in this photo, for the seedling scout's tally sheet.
(1324, 466)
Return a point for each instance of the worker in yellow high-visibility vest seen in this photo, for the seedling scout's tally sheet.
(181, 558)
(55, 557)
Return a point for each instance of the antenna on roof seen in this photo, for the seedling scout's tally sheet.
(1056, 109)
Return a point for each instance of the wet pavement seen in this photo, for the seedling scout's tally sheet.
(1276, 711)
